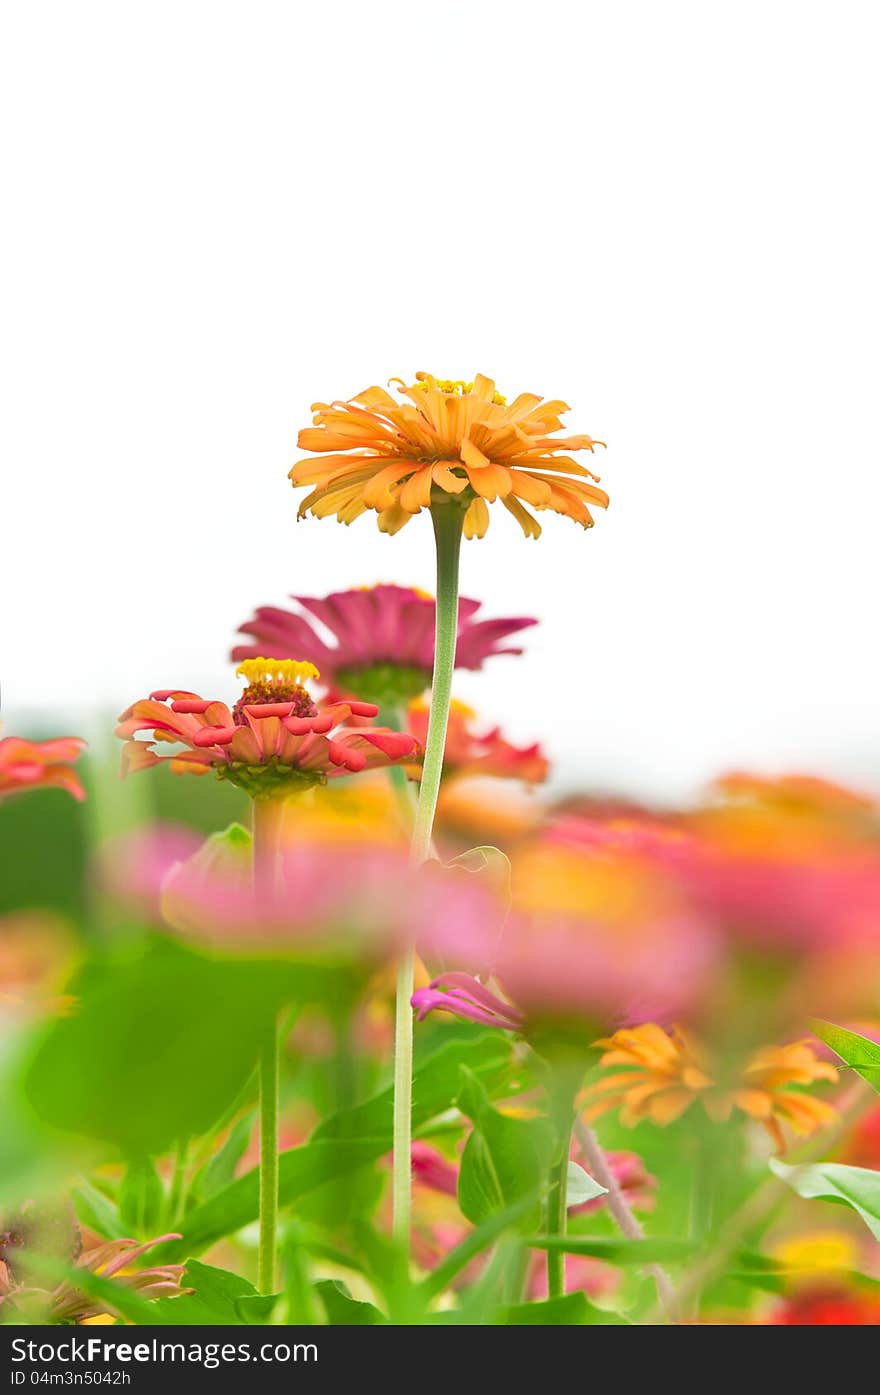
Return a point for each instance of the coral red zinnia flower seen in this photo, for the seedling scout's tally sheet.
(381, 639)
(448, 438)
(28, 765)
(274, 739)
(472, 752)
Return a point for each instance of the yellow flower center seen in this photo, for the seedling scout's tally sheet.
(275, 680)
(457, 387)
(281, 673)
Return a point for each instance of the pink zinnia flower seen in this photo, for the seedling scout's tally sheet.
(377, 641)
(275, 738)
(466, 997)
(28, 765)
(43, 1231)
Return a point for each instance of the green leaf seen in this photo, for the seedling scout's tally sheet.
(856, 1187)
(505, 1158)
(571, 1310)
(338, 1147)
(436, 1085)
(473, 1244)
(343, 1310)
(97, 1211)
(219, 1172)
(160, 1045)
(141, 1199)
(218, 1297)
(581, 1187)
(862, 1054)
(648, 1251)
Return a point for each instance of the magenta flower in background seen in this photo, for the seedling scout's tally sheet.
(376, 641)
(464, 996)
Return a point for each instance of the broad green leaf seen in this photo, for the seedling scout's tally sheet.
(160, 1044)
(344, 1311)
(648, 1251)
(856, 1187)
(862, 1054)
(339, 1146)
(581, 1186)
(504, 1159)
(571, 1310)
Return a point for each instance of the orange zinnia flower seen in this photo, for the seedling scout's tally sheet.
(449, 438)
(667, 1071)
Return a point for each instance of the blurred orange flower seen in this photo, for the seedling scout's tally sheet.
(666, 1071)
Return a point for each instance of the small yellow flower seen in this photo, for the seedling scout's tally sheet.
(449, 438)
(819, 1254)
(667, 1071)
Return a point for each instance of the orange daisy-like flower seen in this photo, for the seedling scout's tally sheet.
(666, 1071)
(471, 752)
(28, 765)
(274, 739)
(448, 439)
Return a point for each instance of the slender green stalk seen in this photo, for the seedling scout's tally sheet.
(267, 817)
(557, 1215)
(448, 519)
(268, 1160)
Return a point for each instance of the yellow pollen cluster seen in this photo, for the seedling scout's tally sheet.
(288, 673)
(457, 387)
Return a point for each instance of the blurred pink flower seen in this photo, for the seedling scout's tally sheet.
(585, 939)
(377, 641)
(274, 739)
(341, 892)
(433, 1170)
(28, 765)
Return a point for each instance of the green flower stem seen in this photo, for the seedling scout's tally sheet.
(557, 1215)
(267, 819)
(448, 520)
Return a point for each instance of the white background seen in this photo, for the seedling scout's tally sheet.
(665, 213)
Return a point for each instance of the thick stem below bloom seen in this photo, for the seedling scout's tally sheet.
(448, 519)
(267, 820)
